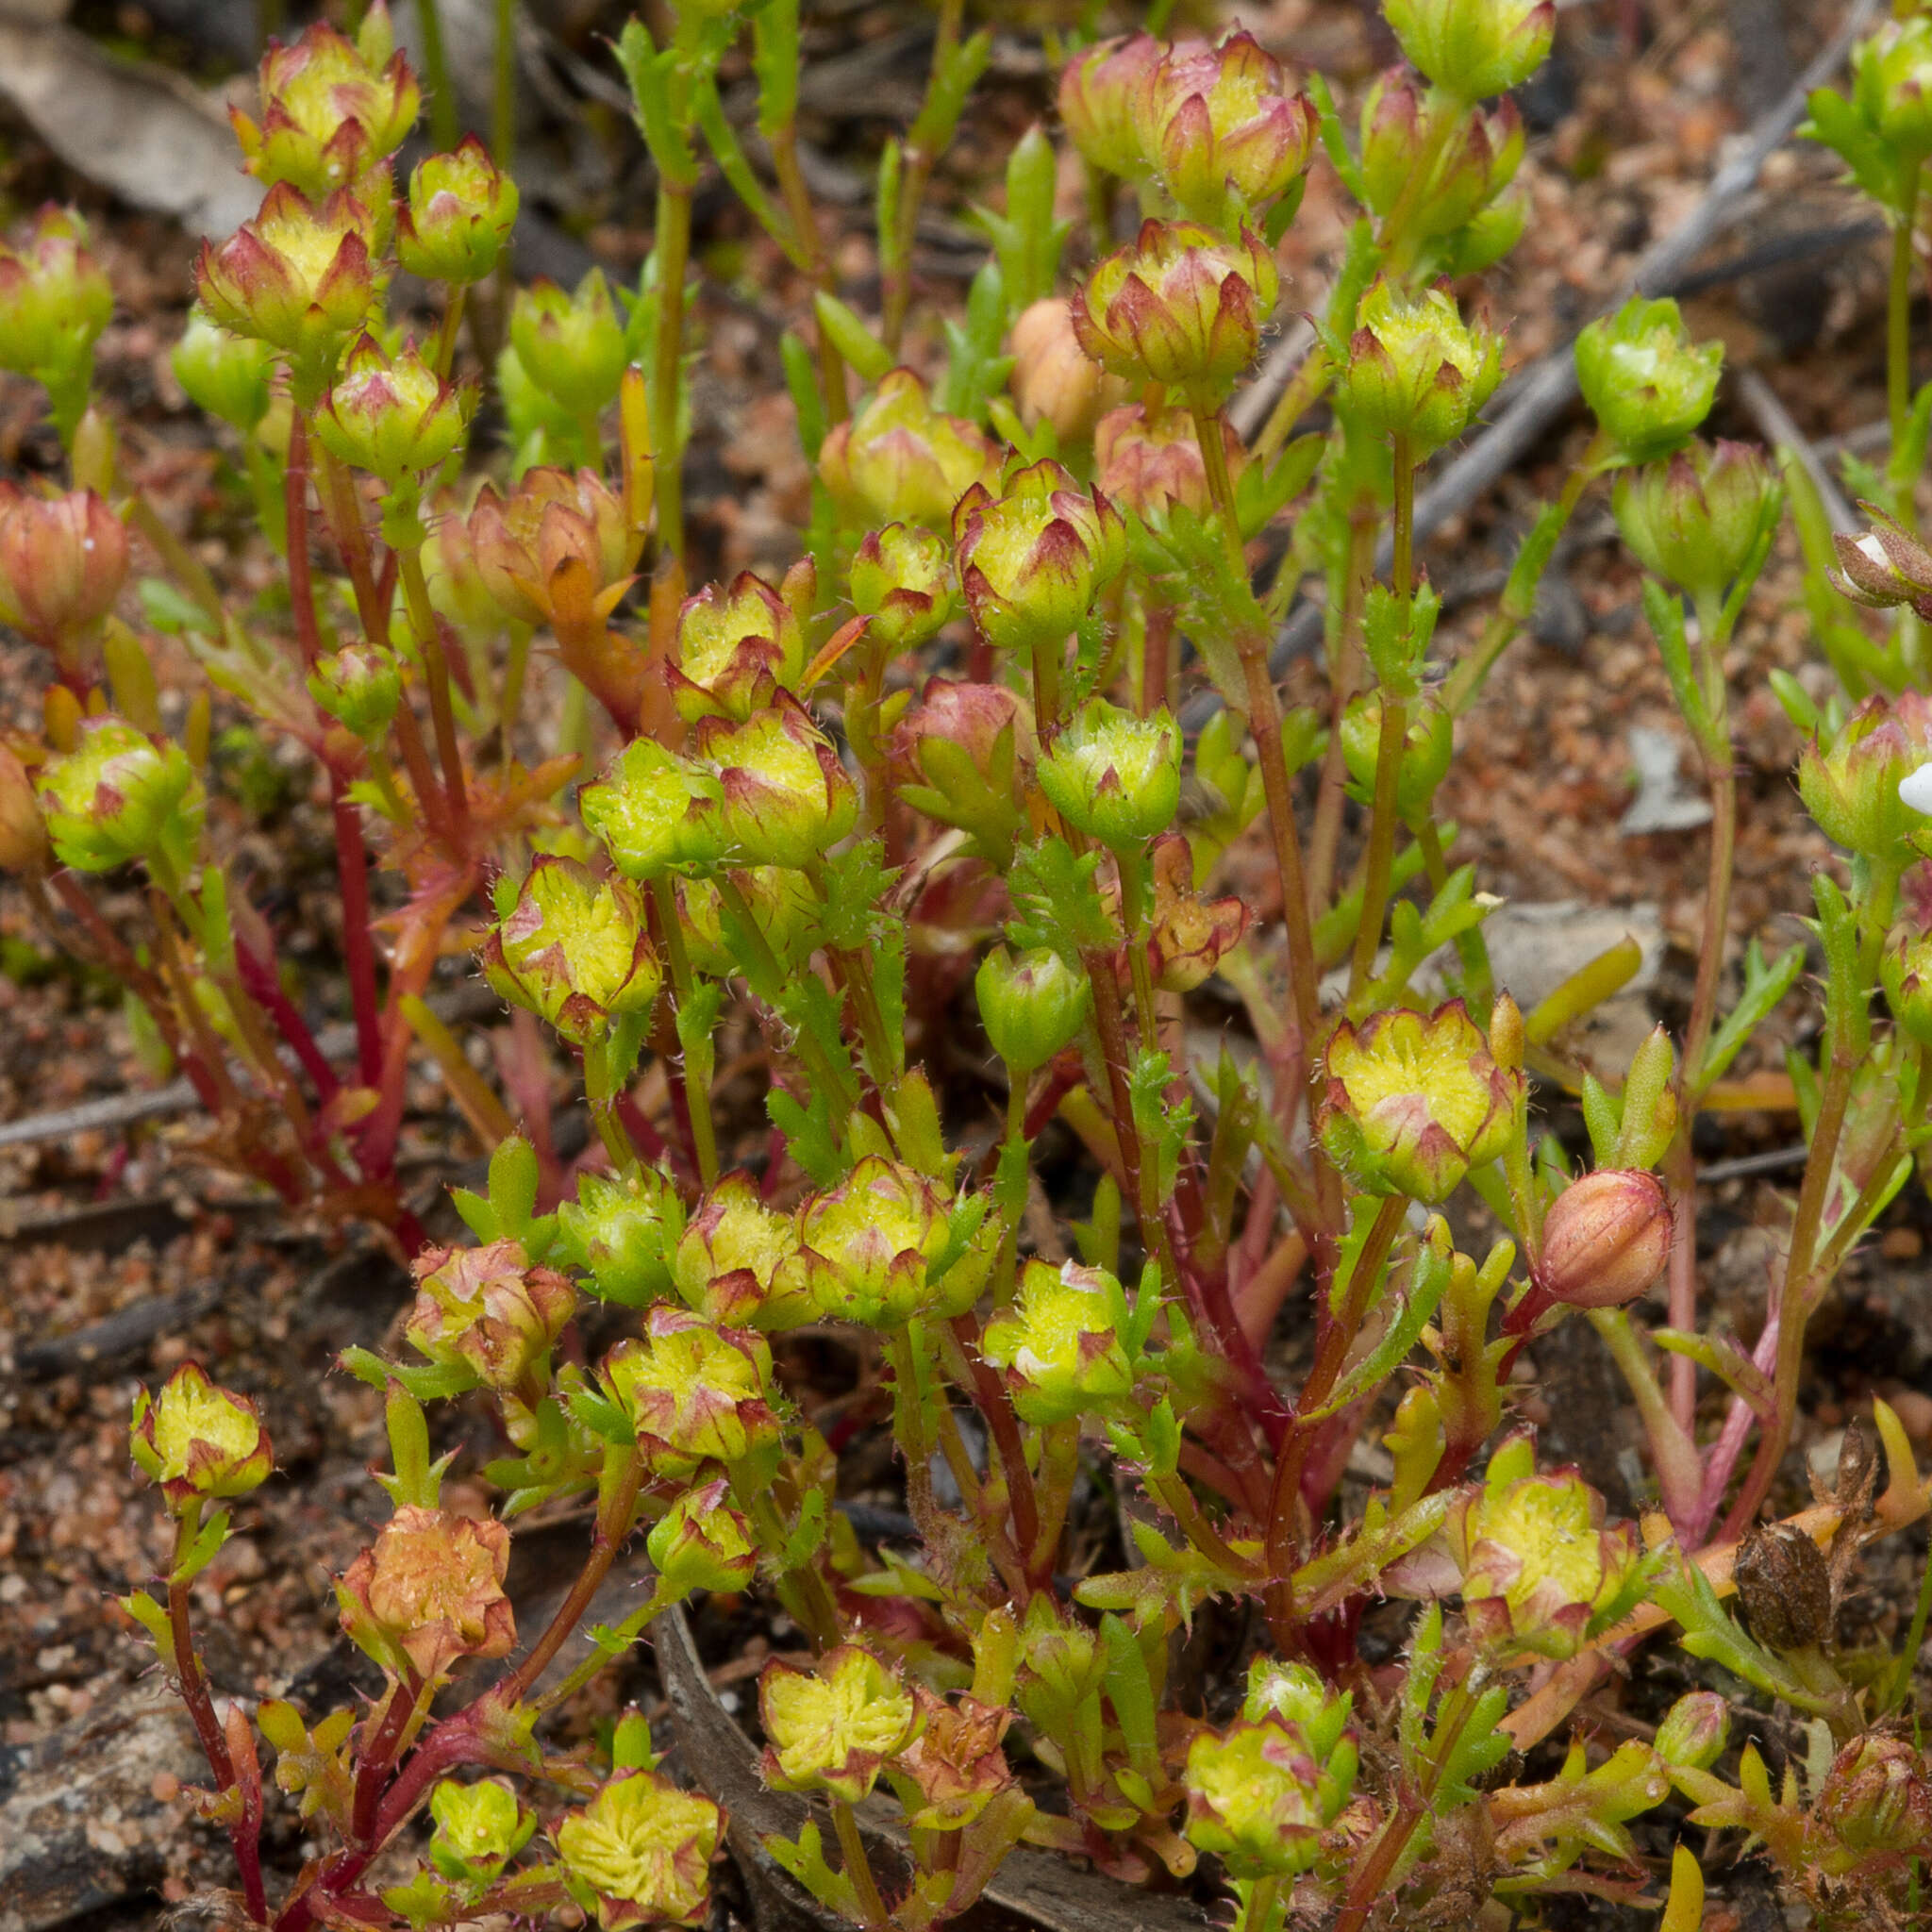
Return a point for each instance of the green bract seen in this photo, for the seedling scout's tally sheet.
(120, 796)
(1062, 1349)
(657, 812)
(1114, 776)
(1474, 48)
(1647, 384)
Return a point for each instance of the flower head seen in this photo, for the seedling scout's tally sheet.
(902, 579)
(487, 1313)
(1474, 48)
(1874, 1810)
(1179, 304)
(737, 646)
(62, 563)
(956, 753)
(1415, 1100)
(621, 1230)
(479, 1828)
(1114, 775)
(197, 1440)
(1891, 85)
(692, 1393)
(1031, 1006)
(727, 1265)
(227, 375)
(956, 1759)
(429, 1590)
(1260, 1796)
(831, 1728)
(1607, 1237)
(784, 798)
(1416, 369)
(1851, 786)
(393, 416)
(119, 795)
(1032, 558)
(1100, 95)
(1694, 517)
(54, 297)
(1400, 129)
(1054, 378)
(781, 904)
(572, 947)
(461, 210)
(657, 812)
(1647, 384)
(359, 687)
(702, 1542)
(865, 1245)
(571, 346)
(901, 460)
(1060, 1348)
(642, 1849)
(1149, 463)
(328, 114)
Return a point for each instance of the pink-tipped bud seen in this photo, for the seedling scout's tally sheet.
(63, 561)
(1054, 380)
(1099, 100)
(461, 210)
(1605, 1239)
(1149, 463)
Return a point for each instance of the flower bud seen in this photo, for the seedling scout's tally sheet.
(461, 212)
(783, 796)
(487, 1313)
(1259, 1797)
(299, 277)
(227, 375)
(570, 948)
(958, 752)
(1541, 1575)
(1414, 1101)
(1416, 369)
(1295, 1695)
(642, 1850)
(621, 1230)
(1693, 517)
(429, 1590)
(1031, 1006)
(1189, 935)
(832, 1729)
(866, 1244)
(1784, 1586)
(1221, 130)
(359, 687)
(24, 847)
(328, 115)
(1115, 776)
(703, 1543)
(456, 586)
(1905, 969)
(1851, 788)
(1400, 129)
(1428, 743)
(1873, 1808)
(692, 1393)
(902, 579)
(393, 417)
(1054, 378)
(1099, 100)
(1647, 384)
(656, 813)
(62, 563)
(1606, 1238)
(1151, 463)
(1179, 305)
(1474, 48)
(736, 649)
(901, 460)
(571, 346)
(1694, 1731)
(728, 1264)
(782, 905)
(118, 796)
(198, 1440)
(1060, 1347)
(1032, 559)
(1884, 568)
(479, 1828)
(1891, 85)
(54, 298)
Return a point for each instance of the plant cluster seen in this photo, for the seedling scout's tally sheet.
(941, 765)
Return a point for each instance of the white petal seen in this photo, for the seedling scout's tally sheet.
(1915, 789)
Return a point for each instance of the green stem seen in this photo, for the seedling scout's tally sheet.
(1901, 1686)
(1324, 836)
(503, 106)
(444, 128)
(1257, 1908)
(1303, 392)
(1898, 340)
(1478, 977)
(436, 674)
(918, 172)
(858, 1866)
(697, 1093)
(674, 258)
(455, 297)
(769, 981)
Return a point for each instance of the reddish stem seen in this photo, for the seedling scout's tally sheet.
(358, 942)
(258, 979)
(295, 504)
(990, 1397)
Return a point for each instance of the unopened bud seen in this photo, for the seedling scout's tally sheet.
(224, 374)
(1693, 517)
(1474, 48)
(1053, 379)
(120, 796)
(389, 415)
(1032, 558)
(62, 563)
(1607, 1237)
(1428, 744)
(1099, 100)
(902, 579)
(737, 646)
(899, 459)
(198, 1440)
(703, 1543)
(1031, 1006)
(1694, 1731)
(571, 345)
(1884, 568)
(958, 751)
(1115, 776)
(461, 210)
(1647, 384)
(479, 1828)
(1416, 369)
(54, 299)
(328, 115)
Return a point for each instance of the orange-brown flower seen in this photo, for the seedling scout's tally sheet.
(429, 1590)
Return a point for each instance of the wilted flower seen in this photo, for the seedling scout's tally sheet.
(727, 1264)
(1693, 517)
(485, 1312)
(198, 1440)
(902, 579)
(1115, 776)
(299, 277)
(866, 1244)
(479, 1828)
(900, 461)
(702, 1542)
(1607, 1237)
(1541, 1575)
(643, 1849)
(1060, 1347)
(1054, 378)
(959, 750)
(1415, 1100)
(1261, 1794)
(1031, 1006)
(1416, 369)
(1221, 129)
(1151, 463)
(54, 298)
(1189, 935)
(328, 116)
(571, 346)
(119, 795)
(1032, 558)
(1647, 384)
(656, 813)
(621, 1230)
(1851, 786)
(1874, 1810)
(692, 1393)
(784, 798)
(1100, 96)
(955, 1759)
(429, 1590)
(737, 646)
(461, 210)
(572, 947)
(393, 416)
(62, 563)
(1784, 1585)
(1884, 568)
(1180, 306)
(1474, 48)
(831, 1728)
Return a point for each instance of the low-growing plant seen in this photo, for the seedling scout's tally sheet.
(999, 723)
